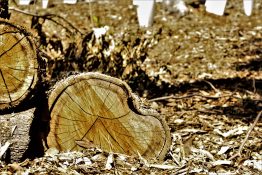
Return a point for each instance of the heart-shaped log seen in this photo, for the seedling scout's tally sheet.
(18, 64)
(92, 109)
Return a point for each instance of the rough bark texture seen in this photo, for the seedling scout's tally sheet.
(18, 65)
(92, 109)
(14, 128)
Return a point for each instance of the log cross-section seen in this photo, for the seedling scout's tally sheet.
(18, 64)
(92, 109)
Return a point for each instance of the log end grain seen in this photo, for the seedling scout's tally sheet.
(18, 64)
(92, 109)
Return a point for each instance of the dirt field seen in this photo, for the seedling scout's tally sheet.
(202, 72)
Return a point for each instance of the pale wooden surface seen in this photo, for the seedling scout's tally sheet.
(14, 128)
(18, 64)
(92, 109)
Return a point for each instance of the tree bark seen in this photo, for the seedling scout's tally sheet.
(92, 109)
(18, 65)
(14, 128)
(4, 9)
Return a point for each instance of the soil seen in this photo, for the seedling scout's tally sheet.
(202, 72)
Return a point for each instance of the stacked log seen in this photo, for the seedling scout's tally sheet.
(92, 109)
(14, 129)
(18, 78)
(18, 65)
(85, 110)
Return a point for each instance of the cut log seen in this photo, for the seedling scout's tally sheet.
(92, 109)
(14, 129)
(18, 64)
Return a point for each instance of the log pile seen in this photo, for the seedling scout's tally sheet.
(85, 110)
(18, 79)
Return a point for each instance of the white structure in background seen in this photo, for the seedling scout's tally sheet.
(70, 1)
(145, 11)
(218, 6)
(24, 2)
(248, 6)
(45, 2)
(145, 8)
(175, 6)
